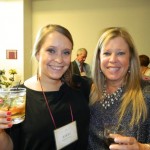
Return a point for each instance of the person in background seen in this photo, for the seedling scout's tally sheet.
(119, 97)
(144, 62)
(57, 113)
(79, 66)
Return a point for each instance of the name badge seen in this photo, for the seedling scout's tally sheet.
(65, 135)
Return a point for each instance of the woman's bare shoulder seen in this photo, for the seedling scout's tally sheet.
(32, 83)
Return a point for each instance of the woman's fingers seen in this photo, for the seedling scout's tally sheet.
(125, 140)
(124, 143)
(5, 119)
(123, 147)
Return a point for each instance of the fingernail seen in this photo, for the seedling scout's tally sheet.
(1, 101)
(8, 113)
(9, 125)
(8, 119)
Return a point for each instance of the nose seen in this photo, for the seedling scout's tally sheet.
(113, 58)
(59, 58)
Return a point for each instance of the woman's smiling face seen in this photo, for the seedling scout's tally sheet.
(115, 59)
(54, 56)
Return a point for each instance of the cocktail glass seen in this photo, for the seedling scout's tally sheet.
(13, 100)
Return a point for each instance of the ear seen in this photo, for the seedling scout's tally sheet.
(37, 56)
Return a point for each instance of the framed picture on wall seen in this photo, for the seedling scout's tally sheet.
(11, 54)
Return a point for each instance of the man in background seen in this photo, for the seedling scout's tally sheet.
(79, 67)
(145, 70)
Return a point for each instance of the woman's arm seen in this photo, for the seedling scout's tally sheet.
(5, 123)
(5, 141)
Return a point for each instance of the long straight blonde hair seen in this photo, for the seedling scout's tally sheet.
(132, 96)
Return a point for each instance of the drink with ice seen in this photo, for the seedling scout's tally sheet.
(14, 100)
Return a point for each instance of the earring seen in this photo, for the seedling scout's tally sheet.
(37, 74)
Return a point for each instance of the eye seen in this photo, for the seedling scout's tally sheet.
(51, 50)
(67, 52)
(120, 53)
(106, 53)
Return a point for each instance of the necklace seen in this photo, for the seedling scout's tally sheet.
(109, 99)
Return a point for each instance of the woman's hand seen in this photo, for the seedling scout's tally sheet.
(5, 120)
(124, 143)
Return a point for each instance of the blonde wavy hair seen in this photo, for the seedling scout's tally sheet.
(40, 39)
(132, 96)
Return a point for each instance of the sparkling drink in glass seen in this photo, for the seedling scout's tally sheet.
(14, 100)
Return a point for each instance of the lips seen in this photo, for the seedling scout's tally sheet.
(56, 67)
(113, 69)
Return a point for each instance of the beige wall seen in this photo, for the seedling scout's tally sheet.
(27, 38)
(11, 36)
(86, 18)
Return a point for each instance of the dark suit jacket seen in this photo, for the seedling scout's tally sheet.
(75, 69)
(82, 83)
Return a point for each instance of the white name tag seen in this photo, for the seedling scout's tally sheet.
(65, 135)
